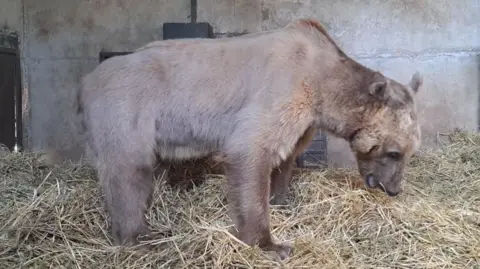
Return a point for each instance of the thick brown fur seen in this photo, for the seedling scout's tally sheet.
(255, 101)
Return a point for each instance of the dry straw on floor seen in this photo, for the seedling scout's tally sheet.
(53, 218)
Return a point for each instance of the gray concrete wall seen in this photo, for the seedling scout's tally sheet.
(63, 40)
(11, 14)
(440, 39)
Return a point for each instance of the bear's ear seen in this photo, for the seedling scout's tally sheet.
(416, 82)
(380, 90)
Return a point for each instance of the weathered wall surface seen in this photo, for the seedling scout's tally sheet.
(441, 39)
(11, 15)
(63, 40)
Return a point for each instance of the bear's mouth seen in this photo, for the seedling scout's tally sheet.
(372, 184)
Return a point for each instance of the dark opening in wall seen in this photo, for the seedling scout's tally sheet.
(11, 134)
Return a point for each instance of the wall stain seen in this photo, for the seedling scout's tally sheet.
(46, 23)
(49, 23)
(101, 5)
(265, 14)
(88, 23)
(428, 12)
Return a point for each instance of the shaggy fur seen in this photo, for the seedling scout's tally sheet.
(256, 101)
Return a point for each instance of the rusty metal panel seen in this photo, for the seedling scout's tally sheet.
(8, 88)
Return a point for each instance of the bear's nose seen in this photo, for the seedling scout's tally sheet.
(392, 194)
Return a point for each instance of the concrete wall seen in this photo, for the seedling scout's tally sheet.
(63, 39)
(440, 39)
(11, 15)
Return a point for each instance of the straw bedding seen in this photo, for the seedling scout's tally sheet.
(52, 217)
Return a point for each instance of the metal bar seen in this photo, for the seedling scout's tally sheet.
(19, 103)
(193, 10)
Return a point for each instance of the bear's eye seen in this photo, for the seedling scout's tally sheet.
(395, 155)
(372, 149)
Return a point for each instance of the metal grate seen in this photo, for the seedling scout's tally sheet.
(315, 156)
(10, 93)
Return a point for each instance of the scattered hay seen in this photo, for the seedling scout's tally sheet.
(53, 218)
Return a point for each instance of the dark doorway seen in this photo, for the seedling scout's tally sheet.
(103, 55)
(10, 92)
